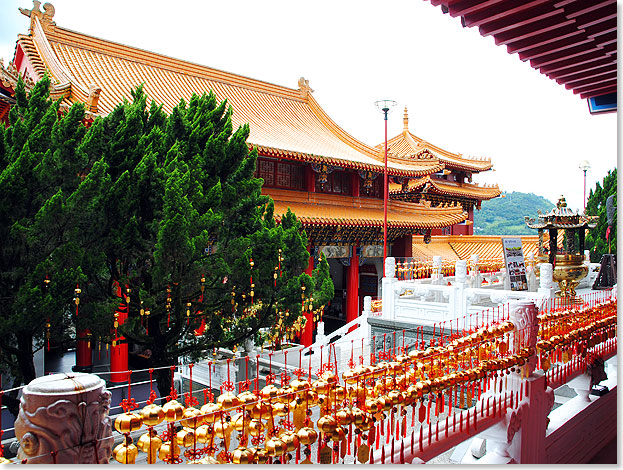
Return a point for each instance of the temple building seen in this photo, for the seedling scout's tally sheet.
(331, 181)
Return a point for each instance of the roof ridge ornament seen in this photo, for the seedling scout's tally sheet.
(304, 88)
(45, 17)
(405, 120)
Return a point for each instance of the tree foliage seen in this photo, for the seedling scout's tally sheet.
(596, 205)
(39, 171)
(505, 215)
(160, 214)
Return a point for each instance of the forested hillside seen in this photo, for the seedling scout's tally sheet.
(505, 215)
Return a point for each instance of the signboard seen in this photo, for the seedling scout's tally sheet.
(372, 251)
(515, 266)
(335, 251)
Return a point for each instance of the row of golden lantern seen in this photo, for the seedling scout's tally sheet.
(277, 420)
(413, 269)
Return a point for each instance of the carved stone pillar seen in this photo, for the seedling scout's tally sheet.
(388, 288)
(460, 271)
(437, 275)
(63, 419)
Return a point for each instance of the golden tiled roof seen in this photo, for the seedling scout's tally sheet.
(283, 121)
(453, 247)
(409, 147)
(318, 208)
(425, 252)
(434, 185)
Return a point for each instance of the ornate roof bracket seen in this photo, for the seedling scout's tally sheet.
(368, 177)
(323, 170)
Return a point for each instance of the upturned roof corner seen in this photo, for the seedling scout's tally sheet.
(45, 16)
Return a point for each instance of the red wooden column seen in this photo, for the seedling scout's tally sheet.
(119, 352)
(307, 335)
(352, 287)
(84, 352)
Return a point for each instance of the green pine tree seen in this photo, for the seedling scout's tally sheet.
(596, 205)
(182, 228)
(40, 169)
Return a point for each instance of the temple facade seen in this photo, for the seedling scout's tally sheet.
(333, 182)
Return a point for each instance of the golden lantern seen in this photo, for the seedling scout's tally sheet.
(260, 410)
(299, 385)
(169, 451)
(339, 393)
(321, 387)
(203, 433)
(149, 440)
(269, 392)
(256, 428)
(307, 436)
(385, 403)
(125, 453)
(152, 415)
(275, 447)
(327, 424)
(290, 438)
(279, 409)
(239, 422)
(285, 395)
(185, 438)
(344, 417)
(128, 422)
(228, 401)
(260, 456)
(339, 434)
(192, 418)
(222, 429)
(210, 412)
(173, 411)
(242, 456)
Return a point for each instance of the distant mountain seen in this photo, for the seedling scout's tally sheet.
(505, 215)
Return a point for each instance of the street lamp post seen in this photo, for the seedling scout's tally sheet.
(584, 166)
(385, 106)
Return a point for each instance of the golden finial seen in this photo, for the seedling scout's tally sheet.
(405, 119)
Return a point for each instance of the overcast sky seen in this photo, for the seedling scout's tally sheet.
(463, 93)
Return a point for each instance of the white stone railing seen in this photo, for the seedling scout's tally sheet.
(427, 304)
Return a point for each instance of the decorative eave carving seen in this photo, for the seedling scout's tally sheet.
(9, 76)
(45, 17)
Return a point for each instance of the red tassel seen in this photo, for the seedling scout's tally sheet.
(298, 454)
(397, 428)
(391, 457)
(372, 456)
(412, 441)
(461, 422)
(404, 426)
(437, 431)
(428, 409)
(383, 454)
(402, 452)
(389, 430)
(475, 417)
(430, 433)
(350, 436)
(377, 435)
(467, 422)
(413, 416)
(421, 438)
(447, 424)
(454, 422)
